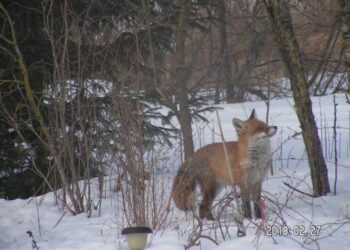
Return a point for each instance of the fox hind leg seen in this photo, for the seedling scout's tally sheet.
(209, 191)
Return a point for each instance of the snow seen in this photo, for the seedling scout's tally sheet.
(54, 229)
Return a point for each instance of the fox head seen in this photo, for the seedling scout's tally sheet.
(253, 128)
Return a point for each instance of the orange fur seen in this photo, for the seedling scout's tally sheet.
(249, 159)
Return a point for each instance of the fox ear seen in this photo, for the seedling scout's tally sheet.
(238, 124)
(253, 115)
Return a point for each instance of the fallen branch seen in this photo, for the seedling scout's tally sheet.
(299, 191)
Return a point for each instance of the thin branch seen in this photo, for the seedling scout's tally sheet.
(297, 190)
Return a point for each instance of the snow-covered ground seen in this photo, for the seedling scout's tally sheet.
(327, 218)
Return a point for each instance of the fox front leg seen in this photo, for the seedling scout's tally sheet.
(246, 203)
(256, 195)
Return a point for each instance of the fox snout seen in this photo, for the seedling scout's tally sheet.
(272, 131)
(269, 132)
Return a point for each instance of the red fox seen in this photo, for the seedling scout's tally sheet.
(250, 159)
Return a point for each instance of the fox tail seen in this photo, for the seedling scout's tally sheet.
(183, 190)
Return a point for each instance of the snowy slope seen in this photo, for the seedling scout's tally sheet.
(330, 214)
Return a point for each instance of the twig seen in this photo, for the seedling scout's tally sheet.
(34, 245)
(239, 219)
(335, 146)
(299, 191)
(38, 214)
(58, 222)
(194, 237)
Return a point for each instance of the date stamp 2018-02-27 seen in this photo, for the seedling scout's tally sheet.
(297, 230)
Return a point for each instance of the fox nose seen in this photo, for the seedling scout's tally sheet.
(275, 127)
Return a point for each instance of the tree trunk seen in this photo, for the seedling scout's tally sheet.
(225, 72)
(283, 31)
(257, 41)
(183, 115)
(345, 28)
(238, 85)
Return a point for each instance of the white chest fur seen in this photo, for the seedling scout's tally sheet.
(258, 160)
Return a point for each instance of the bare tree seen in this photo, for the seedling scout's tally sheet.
(225, 71)
(278, 12)
(184, 115)
(52, 134)
(345, 19)
(179, 79)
